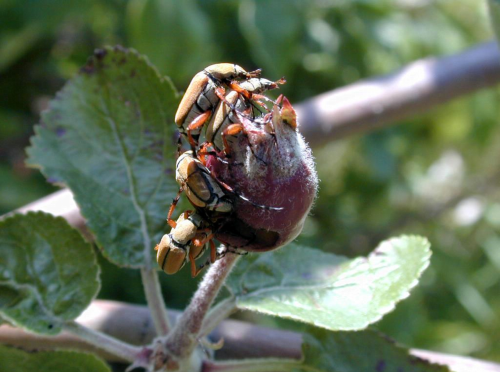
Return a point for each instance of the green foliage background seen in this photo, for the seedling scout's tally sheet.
(434, 175)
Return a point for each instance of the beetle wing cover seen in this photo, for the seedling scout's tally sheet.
(175, 260)
(193, 91)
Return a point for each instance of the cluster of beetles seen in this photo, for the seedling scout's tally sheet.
(249, 175)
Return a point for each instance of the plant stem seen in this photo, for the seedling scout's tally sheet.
(154, 298)
(102, 341)
(216, 315)
(185, 335)
(383, 100)
(254, 365)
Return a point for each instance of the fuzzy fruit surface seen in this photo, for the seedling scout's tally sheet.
(268, 163)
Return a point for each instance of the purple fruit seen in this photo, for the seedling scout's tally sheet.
(268, 163)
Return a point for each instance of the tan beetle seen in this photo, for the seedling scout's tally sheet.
(202, 190)
(241, 100)
(212, 197)
(203, 94)
(186, 242)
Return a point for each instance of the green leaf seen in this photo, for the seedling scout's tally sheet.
(109, 136)
(494, 6)
(358, 351)
(49, 361)
(326, 290)
(48, 272)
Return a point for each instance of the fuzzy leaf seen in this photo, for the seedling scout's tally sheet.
(326, 351)
(49, 361)
(48, 272)
(109, 136)
(327, 290)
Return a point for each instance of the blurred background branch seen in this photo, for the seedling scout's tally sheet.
(241, 339)
(375, 103)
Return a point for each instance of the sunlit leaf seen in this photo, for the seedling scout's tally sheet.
(327, 290)
(109, 136)
(48, 272)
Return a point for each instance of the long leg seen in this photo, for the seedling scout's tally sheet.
(213, 257)
(198, 122)
(194, 270)
(170, 221)
(221, 93)
(204, 150)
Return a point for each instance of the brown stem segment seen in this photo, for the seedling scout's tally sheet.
(416, 88)
(241, 339)
(184, 336)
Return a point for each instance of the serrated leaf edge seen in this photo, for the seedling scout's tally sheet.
(364, 325)
(50, 315)
(147, 248)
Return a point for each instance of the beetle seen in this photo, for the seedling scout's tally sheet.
(201, 189)
(239, 101)
(210, 196)
(203, 94)
(186, 242)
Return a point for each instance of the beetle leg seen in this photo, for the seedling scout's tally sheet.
(258, 97)
(195, 124)
(236, 87)
(203, 241)
(221, 93)
(203, 151)
(170, 221)
(248, 95)
(252, 98)
(233, 130)
(194, 270)
(214, 255)
(213, 251)
(207, 239)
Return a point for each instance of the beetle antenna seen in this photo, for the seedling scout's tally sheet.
(257, 204)
(242, 197)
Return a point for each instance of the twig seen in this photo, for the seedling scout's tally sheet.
(217, 314)
(185, 335)
(416, 88)
(103, 341)
(154, 297)
(242, 340)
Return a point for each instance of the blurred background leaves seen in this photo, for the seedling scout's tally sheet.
(434, 175)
